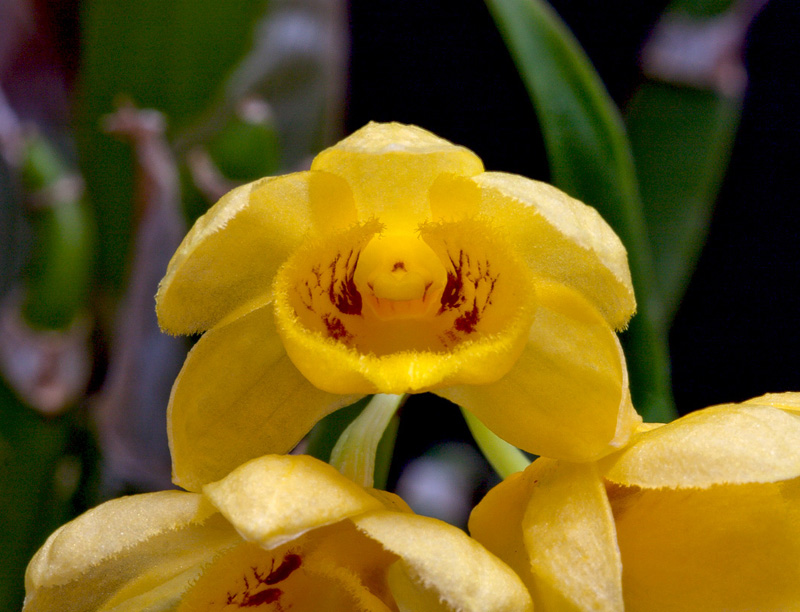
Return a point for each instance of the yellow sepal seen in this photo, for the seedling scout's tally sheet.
(391, 167)
(727, 444)
(561, 239)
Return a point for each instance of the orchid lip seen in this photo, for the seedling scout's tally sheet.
(394, 293)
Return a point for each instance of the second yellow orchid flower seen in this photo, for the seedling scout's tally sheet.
(279, 533)
(396, 265)
(701, 514)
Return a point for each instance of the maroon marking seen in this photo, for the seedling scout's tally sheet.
(468, 321)
(343, 293)
(310, 304)
(290, 563)
(248, 599)
(317, 274)
(336, 328)
(489, 294)
(267, 596)
(398, 265)
(453, 294)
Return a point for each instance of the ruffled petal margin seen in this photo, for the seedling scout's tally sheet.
(439, 561)
(159, 543)
(562, 240)
(727, 444)
(225, 265)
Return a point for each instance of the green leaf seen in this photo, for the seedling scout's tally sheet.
(590, 158)
(171, 56)
(681, 139)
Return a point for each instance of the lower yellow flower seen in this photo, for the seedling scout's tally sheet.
(396, 265)
(702, 514)
(279, 533)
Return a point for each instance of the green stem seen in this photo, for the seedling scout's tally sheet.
(354, 453)
(505, 458)
(327, 432)
(59, 269)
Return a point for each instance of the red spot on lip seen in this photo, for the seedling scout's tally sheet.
(468, 321)
(343, 293)
(266, 596)
(398, 265)
(290, 563)
(336, 329)
(250, 599)
(453, 294)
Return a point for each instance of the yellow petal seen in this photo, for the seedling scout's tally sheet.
(390, 168)
(343, 554)
(409, 595)
(496, 522)
(237, 397)
(785, 401)
(561, 239)
(723, 444)
(570, 537)
(389, 500)
(225, 264)
(129, 553)
(567, 395)
(730, 548)
(441, 558)
(345, 339)
(274, 499)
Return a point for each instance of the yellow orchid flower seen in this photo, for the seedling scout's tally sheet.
(278, 533)
(702, 514)
(396, 265)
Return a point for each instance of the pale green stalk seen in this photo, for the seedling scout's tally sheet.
(354, 453)
(505, 458)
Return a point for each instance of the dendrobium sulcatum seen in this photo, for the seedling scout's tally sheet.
(396, 265)
(702, 514)
(279, 533)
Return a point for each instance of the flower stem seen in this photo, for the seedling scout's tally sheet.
(354, 453)
(505, 458)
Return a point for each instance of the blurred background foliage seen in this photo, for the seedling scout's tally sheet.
(121, 121)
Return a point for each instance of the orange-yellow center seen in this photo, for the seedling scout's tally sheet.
(400, 277)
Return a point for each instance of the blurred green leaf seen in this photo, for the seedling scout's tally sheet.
(171, 56)
(245, 150)
(59, 269)
(31, 449)
(681, 139)
(590, 158)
